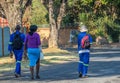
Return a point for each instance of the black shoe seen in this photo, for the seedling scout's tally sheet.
(32, 78)
(37, 77)
(17, 75)
(80, 75)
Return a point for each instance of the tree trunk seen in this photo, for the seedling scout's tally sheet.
(55, 23)
(53, 39)
(61, 13)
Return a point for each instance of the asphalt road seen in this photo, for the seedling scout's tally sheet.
(104, 67)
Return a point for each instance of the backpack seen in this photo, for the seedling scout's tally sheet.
(85, 43)
(17, 43)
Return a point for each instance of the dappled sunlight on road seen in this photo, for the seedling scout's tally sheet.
(61, 65)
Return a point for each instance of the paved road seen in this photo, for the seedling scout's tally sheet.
(104, 68)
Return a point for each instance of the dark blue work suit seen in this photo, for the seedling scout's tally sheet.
(18, 53)
(83, 55)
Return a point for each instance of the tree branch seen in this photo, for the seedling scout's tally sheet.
(28, 3)
(61, 12)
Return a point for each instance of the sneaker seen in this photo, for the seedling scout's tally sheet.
(37, 77)
(80, 75)
(17, 75)
(32, 78)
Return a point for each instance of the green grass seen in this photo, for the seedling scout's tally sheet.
(50, 57)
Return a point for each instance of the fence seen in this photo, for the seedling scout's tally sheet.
(0, 41)
(4, 40)
(64, 37)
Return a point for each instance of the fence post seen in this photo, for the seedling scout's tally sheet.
(1, 51)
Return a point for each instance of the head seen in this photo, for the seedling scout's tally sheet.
(18, 27)
(83, 28)
(33, 28)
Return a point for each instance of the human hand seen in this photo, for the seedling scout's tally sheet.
(11, 55)
(25, 55)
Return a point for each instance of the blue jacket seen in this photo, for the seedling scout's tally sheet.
(12, 37)
(80, 36)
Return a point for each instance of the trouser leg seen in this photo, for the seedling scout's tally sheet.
(85, 63)
(18, 57)
(80, 64)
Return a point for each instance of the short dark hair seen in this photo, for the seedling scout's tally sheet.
(18, 27)
(33, 28)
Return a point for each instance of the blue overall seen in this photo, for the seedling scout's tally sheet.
(83, 55)
(18, 53)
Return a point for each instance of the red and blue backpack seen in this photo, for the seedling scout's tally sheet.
(85, 42)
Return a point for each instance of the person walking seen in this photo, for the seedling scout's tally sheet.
(32, 43)
(84, 42)
(16, 47)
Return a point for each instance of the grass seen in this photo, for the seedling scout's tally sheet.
(51, 56)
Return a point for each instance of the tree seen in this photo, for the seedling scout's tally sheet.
(96, 14)
(56, 12)
(38, 13)
(13, 11)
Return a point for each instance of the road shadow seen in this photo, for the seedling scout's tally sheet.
(53, 72)
(102, 64)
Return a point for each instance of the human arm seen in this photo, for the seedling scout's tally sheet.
(91, 40)
(10, 46)
(38, 40)
(79, 42)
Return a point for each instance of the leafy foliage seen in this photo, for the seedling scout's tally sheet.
(101, 16)
(39, 14)
(98, 15)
